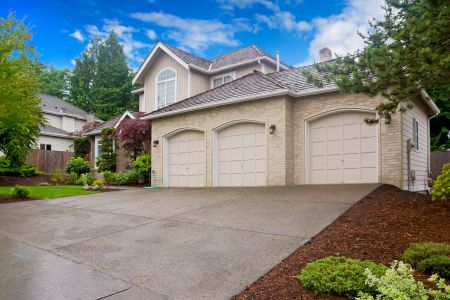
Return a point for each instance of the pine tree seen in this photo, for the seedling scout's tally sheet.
(54, 82)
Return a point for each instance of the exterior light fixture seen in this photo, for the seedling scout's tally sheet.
(272, 129)
(387, 120)
(155, 143)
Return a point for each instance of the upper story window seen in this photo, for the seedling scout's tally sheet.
(166, 87)
(222, 79)
(415, 133)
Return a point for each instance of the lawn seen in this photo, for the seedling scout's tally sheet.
(47, 192)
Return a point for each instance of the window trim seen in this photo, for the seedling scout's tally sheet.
(415, 133)
(223, 75)
(156, 86)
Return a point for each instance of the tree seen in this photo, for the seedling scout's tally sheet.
(135, 136)
(54, 82)
(101, 80)
(106, 161)
(404, 53)
(19, 127)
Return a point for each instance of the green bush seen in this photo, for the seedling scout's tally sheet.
(441, 188)
(339, 275)
(56, 177)
(20, 191)
(109, 177)
(398, 282)
(99, 183)
(24, 171)
(429, 257)
(78, 165)
(106, 161)
(142, 165)
(128, 177)
(73, 179)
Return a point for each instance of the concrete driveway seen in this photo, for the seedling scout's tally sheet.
(159, 243)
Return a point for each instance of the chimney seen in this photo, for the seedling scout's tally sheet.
(325, 54)
(278, 60)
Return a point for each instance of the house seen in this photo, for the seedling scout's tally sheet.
(247, 119)
(63, 121)
(95, 137)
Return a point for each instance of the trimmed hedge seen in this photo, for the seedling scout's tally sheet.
(429, 257)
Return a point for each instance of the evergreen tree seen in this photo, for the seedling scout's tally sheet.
(54, 82)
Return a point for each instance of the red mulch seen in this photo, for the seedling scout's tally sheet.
(379, 228)
(33, 180)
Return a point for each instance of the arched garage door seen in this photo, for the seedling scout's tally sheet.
(241, 155)
(343, 149)
(186, 159)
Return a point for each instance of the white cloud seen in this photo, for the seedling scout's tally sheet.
(242, 4)
(151, 34)
(194, 34)
(339, 32)
(131, 47)
(77, 35)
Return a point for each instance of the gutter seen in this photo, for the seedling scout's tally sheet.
(138, 91)
(58, 135)
(64, 114)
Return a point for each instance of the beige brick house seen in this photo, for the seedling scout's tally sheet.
(247, 119)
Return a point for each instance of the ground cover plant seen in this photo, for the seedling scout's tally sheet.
(433, 258)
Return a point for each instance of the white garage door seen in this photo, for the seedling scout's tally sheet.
(186, 159)
(241, 155)
(343, 149)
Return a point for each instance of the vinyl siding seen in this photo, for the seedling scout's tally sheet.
(54, 120)
(162, 61)
(199, 83)
(142, 103)
(79, 124)
(68, 124)
(419, 158)
(58, 143)
(247, 69)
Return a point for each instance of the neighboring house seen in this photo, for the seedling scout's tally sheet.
(63, 121)
(95, 137)
(272, 128)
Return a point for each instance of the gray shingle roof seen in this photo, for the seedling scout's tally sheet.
(53, 130)
(238, 56)
(58, 106)
(252, 84)
(107, 124)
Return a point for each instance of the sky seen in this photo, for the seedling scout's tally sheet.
(62, 29)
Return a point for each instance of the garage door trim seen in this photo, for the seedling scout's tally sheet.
(214, 138)
(165, 149)
(306, 149)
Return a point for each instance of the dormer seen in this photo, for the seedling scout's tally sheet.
(170, 74)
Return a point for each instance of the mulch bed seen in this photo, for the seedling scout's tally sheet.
(378, 228)
(32, 180)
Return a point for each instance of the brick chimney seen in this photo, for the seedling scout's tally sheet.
(325, 54)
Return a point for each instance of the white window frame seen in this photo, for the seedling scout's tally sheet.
(156, 86)
(415, 133)
(97, 143)
(231, 74)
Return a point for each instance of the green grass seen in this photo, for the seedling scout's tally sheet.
(51, 191)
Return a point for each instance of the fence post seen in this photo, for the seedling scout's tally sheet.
(37, 155)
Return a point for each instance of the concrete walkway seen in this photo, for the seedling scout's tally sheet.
(159, 243)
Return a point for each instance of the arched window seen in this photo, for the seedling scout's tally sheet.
(165, 87)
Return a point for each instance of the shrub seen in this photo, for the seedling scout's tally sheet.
(73, 179)
(109, 177)
(338, 275)
(429, 257)
(86, 179)
(98, 183)
(56, 177)
(142, 165)
(399, 283)
(441, 188)
(24, 171)
(82, 146)
(106, 161)
(20, 191)
(127, 177)
(78, 165)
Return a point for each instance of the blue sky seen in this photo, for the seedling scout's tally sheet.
(298, 28)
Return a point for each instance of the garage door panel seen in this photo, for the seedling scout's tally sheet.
(343, 149)
(245, 155)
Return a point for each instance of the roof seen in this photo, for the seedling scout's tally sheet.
(228, 60)
(109, 123)
(55, 105)
(50, 130)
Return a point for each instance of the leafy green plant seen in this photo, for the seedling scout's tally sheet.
(338, 275)
(106, 161)
(441, 188)
(109, 177)
(128, 177)
(6, 168)
(20, 191)
(429, 257)
(82, 146)
(98, 183)
(56, 177)
(142, 165)
(398, 282)
(78, 165)
(73, 179)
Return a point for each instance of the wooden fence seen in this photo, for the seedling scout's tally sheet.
(437, 160)
(48, 161)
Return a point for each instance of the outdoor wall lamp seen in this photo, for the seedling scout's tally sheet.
(272, 129)
(387, 120)
(155, 143)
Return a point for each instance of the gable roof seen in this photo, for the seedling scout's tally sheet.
(57, 106)
(228, 60)
(111, 123)
(54, 131)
